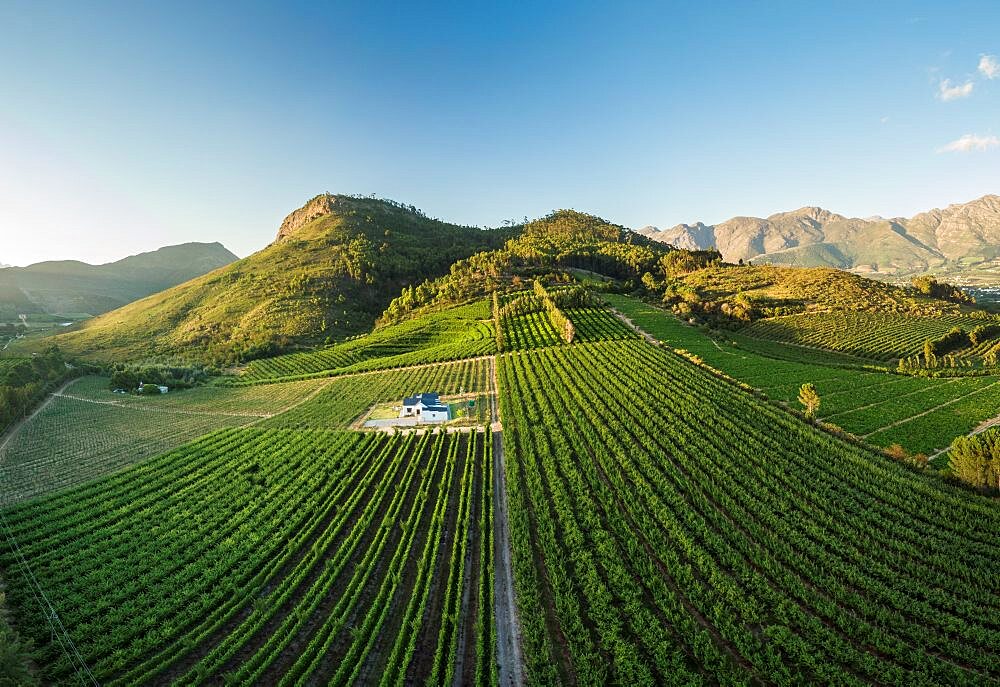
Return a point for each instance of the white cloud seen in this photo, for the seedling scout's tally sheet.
(989, 66)
(970, 143)
(947, 91)
(884, 120)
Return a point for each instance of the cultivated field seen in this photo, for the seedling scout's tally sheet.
(344, 400)
(272, 557)
(670, 529)
(879, 336)
(87, 431)
(526, 331)
(921, 414)
(72, 441)
(463, 332)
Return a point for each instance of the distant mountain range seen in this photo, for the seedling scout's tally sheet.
(962, 238)
(72, 287)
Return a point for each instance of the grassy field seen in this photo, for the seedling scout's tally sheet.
(930, 412)
(670, 529)
(262, 556)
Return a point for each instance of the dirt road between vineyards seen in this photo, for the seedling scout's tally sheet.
(508, 627)
(22, 422)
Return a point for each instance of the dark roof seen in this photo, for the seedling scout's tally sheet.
(428, 399)
(438, 408)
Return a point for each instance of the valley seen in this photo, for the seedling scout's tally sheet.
(640, 496)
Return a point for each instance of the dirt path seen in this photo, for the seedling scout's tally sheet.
(931, 410)
(980, 428)
(636, 328)
(508, 628)
(23, 421)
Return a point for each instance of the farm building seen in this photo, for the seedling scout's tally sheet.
(425, 407)
(162, 389)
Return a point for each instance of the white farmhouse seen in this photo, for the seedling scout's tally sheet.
(425, 407)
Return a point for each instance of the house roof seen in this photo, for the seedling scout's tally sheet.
(425, 399)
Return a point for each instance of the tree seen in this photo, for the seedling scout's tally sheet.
(809, 398)
(976, 459)
(929, 358)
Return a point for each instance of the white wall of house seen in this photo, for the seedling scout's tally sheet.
(434, 415)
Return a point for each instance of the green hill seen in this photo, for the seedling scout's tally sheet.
(739, 293)
(564, 239)
(334, 267)
(69, 286)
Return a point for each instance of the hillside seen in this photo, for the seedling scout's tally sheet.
(962, 238)
(333, 267)
(561, 240)
(70, 286)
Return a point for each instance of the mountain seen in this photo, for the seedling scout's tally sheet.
(69, 286)
(333, 267)
(961, 238)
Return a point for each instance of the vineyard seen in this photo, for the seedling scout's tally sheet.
(7, 364)
(670, 529)
(877, 336)
(598, 324)
(71, 441)
(462, 332)
(344, 400)
(526, 325)
(930, 412)
(271, 557)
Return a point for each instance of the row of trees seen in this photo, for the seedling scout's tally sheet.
(560, 322)
(25, 383)
(130, 376)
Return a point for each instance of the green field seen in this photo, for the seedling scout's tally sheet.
(669, 523)
(534, 330)
(462, 332)
(861, 402)
(89, 431)
(879, 336)
(270, 557)
(669, 529)
(346, 399)
(73, 441)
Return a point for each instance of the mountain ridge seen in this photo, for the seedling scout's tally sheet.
(335, 264)
(73, 286)
(958, 237)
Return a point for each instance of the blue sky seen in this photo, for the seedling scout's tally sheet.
(124, 127)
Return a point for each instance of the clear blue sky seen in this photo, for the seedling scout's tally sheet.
(128, 126)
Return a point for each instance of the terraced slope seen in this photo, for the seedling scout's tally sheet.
(670, 529)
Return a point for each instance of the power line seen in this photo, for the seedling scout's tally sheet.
(59, 633)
